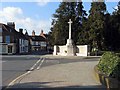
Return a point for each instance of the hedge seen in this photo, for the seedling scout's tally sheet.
(109, 65)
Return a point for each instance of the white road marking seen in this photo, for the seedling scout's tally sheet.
(2, 61)
(32, 68)
(40, 64)
(12, 83)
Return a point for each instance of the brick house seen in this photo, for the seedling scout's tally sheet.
(15, 42)
(12, 41)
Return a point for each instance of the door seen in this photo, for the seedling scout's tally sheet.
(9, 49)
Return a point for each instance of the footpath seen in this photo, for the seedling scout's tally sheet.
(68, 75)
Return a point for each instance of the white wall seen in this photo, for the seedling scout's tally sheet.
(62, 50)
(3, 49)
(82, 50)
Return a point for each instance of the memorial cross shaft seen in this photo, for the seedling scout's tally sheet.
(70, 23)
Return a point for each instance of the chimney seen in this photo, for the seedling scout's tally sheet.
(21, 30)
(26, 33)
(33, 33)
(11, 24)
(41, 34)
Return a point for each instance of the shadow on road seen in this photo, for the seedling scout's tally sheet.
(45, 86)
(38, 53)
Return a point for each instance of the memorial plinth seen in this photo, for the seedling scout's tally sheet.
(70, 48)
(69, 45)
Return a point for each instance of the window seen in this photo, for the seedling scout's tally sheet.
(23, 42)
(39, 43)
(33, 42)
(0, 38)
(0, 29)
(23, 49)
(20, 41)
(26, 42)
(36, 43)
(7, 39)
(10, 30)
(43, 43)
(0, 48)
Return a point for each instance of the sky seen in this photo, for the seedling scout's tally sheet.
(35, 16)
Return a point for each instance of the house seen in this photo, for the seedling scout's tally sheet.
(16, 42)
(38, 43)
(24, 45)
(12, 41)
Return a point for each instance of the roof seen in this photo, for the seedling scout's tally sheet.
(15, 33)
(37, 38)
(46, 35)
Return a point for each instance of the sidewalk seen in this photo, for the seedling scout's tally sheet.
(69, 75)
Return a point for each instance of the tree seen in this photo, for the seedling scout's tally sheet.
(84, 33)
(115, 29)
(67, 10)
(97, 24)
(112, 30)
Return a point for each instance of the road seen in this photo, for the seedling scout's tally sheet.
(14, 66)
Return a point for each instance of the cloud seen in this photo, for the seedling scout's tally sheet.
(42, 2)
(15, 14)
(9, 13)
(116, 7)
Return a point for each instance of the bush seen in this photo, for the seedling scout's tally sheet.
(109, 65)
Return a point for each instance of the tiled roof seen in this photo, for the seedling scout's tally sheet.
(14, 32)
(37, 38)
(3, 26)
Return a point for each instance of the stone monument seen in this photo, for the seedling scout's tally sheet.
(69, 45)
(70, 49)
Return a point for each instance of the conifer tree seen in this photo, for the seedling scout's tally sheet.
(67, 10)
(97, 24)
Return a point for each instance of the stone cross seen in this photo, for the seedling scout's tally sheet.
(70, 22)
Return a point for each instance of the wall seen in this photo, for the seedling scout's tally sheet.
(81, 50)
(3, 49)
(62, 50)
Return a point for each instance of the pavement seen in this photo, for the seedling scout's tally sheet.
(67, 75)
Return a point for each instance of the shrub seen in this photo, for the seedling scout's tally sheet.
(109, 64)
